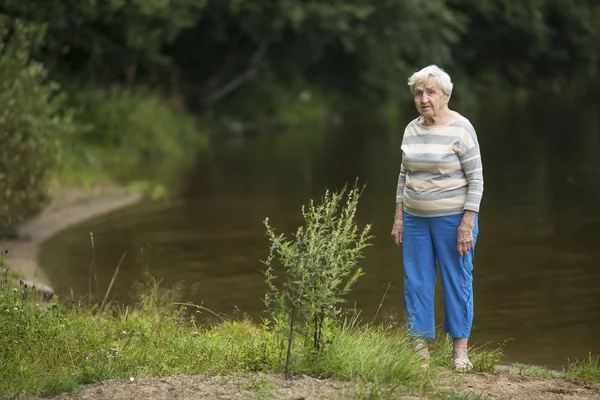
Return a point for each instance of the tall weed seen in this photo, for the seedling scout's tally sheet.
(320, 265)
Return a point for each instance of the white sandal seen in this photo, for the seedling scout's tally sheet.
(422, 350)
(462, 365)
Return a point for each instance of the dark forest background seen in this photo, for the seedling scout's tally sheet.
(93, 88)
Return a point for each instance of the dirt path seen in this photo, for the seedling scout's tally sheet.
(70, 207)
(498, 386)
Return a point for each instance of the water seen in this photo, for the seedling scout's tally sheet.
(537, 268)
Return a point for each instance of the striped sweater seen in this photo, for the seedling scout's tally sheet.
(441, 171)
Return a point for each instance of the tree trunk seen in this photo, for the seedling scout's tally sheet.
(131, 73)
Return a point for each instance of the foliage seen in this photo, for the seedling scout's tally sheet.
(320, 264)
(136, 120)
(484, 359)
(587, 369)
(32, 123)
(358, 50)
(54, 349)
(348, 47)
(135, 135)
(539, 38)
(50, 348)
(99, 42)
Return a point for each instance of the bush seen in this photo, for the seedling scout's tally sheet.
(31, 124)
(129, 135)
(139, 122)
(320, 265)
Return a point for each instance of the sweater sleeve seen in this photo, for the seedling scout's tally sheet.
(470, 160)
(401, 184)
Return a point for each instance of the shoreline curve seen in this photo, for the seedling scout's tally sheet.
(72, 206)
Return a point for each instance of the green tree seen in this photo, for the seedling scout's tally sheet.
(256, 52)
(31, 124)
(359, 49)
(100, 41)
(533, 43)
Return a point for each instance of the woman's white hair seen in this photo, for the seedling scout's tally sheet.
(432, 70)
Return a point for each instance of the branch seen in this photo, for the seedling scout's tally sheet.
(239, 80)
(214, 78)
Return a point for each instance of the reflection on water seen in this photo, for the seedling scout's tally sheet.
(537, 268)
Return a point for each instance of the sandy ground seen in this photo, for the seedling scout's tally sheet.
(70, 207)
(498, 386)
(512, 386)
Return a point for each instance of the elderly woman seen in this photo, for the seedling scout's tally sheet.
(439, 191)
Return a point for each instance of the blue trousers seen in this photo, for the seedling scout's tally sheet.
(425, 242)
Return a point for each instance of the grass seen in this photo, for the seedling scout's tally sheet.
(95, 167)
(587, 370)
(135, 138)
(48, 348)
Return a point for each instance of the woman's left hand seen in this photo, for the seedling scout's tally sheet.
(465, 238)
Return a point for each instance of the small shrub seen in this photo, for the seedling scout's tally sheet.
(320, 264)
(31, 124)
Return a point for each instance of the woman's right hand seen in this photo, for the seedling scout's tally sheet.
(397, 231)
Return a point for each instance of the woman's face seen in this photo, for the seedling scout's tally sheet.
(429, 98)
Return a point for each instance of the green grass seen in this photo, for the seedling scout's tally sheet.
(137, 139)
(49, 348)
(587, 370)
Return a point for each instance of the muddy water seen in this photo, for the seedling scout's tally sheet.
(537, 267)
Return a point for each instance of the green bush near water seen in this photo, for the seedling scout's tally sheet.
(81, 138)
(133, 135)
(135, 121)
(32, 124)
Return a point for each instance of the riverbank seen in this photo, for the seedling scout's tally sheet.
(69, 206)
(498, 386)
(91, 352)
(163, 348)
